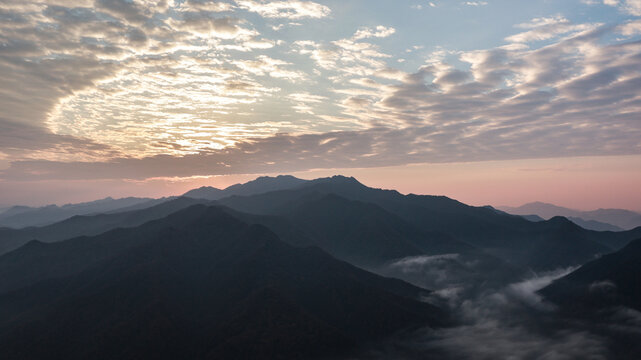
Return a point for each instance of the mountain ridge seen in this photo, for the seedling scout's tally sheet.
(25, 216)
(198, 283)
(259, 185)
(620, 218)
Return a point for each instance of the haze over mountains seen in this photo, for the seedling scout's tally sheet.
(196, 284)
(601, 219)
(289, 268)
(23, 216)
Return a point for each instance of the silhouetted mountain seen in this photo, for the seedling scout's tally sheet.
(533, 218)
(88, 225)
(260, 185)
(360, 233)
(205, 192)
(611, 280)
(539, 245)
(390, 222)
(23, 216)
(142, 205)
(367, 235)
(619, 218)
(604, 297)
(363, 233)
(196, 284)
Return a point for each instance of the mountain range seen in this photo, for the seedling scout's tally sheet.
(537, 245)
(286, 268)
(341, 216)
(24, 216)
(600, 220)
(196, 284)
(259, 185)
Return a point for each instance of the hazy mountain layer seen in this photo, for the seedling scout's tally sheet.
(538, 245)
(90, 224)
(23, 216)
(619, 218)
(197, 284)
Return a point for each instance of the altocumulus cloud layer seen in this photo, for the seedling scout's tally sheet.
(140, 89)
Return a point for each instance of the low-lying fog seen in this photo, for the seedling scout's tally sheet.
(496, 318)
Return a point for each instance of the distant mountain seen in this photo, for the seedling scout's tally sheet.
(260, 185)
(367, 226)
(24, 216)
(15, 210)
(539, 245)
(89, 225)
(594, 225)
(361, 233)
(593, 220)
(196, 284)
(141, 205)
(204, 192)
(586, 224)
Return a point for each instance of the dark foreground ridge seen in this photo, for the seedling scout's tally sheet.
(604, 296)
(610, 281)
(196, 284)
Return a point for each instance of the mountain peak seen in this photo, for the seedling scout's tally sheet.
(345, 178)
(259, 185)
(561, 221)
(339, 179)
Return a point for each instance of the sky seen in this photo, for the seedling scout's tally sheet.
(491, 102)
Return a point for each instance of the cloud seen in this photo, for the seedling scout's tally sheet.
(290, 9)
(602, 286)
(199, 83)
(631, 7)
(507, 322)
(526, 290)
(265, 65)
(491, 340)
(63, 72)
(547, 28)
(420, 6)
(18, 137)
(378, 32)
(203, 24)
(475, 3)
(286, 152)
(206, 5)
(630, 28)
(129, 10)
